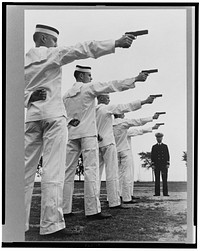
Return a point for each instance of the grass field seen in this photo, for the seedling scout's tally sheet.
(151, 220)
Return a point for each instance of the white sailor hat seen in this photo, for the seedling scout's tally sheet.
(159, 134)
(83, 68)
(47, 29)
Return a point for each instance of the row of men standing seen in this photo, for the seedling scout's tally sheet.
(46, 128)
(80, 104)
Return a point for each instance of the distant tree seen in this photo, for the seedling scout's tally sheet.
(80, 167)
(145, 157)
(184, 157)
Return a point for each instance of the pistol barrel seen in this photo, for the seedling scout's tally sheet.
(160, 123)
(150, 71)
(160, 113)
(156, 95)
(137, 33)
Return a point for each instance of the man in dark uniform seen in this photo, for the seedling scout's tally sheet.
(160, 163)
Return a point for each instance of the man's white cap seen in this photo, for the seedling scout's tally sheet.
(83, 68)
(47, 29)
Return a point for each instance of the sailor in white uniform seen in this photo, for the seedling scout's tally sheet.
(107, 147)
(133, 132)
(120, 128)
(46, 124)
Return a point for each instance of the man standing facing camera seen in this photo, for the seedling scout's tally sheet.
(160, 163)
(46, 123)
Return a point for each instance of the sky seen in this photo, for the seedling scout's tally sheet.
(163, 48)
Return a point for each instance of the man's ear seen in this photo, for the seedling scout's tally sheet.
(101, 99)
(43, 39)
(81, 76)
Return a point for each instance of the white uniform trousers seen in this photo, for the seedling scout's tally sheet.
(108, 157)
(132, 178)
(46, 137)
(88, 146)
(125, 180)
(132, 174)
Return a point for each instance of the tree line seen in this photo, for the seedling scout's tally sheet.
(145, 158)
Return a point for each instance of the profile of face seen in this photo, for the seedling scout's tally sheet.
(49, 41)
(159, 139)
(86, 77)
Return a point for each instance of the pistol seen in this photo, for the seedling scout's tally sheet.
(160, 113)
(156, 96)
(160, 123)
(137, 33)
(151, 71)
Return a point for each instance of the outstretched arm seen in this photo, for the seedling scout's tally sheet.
(132, 132)
(136, 122)
(124, 108)
(97, 88)
(92, 49)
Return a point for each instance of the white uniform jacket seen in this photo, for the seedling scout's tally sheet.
(120, 128)
(43, 69)
(105, 120)
(79, 103)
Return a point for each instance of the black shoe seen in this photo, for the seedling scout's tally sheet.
(119, 207)
(135, 197)
(61, 233)
(156, 195)
(165, 194)
(130, 202)
(99, 216)
(69, 215)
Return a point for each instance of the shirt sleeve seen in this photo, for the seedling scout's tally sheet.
(168, 156)
(152, 155)
(136, 122)
(90, 49)
(132, 132)
(98, 88)
(27, 95)
(123, 108)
